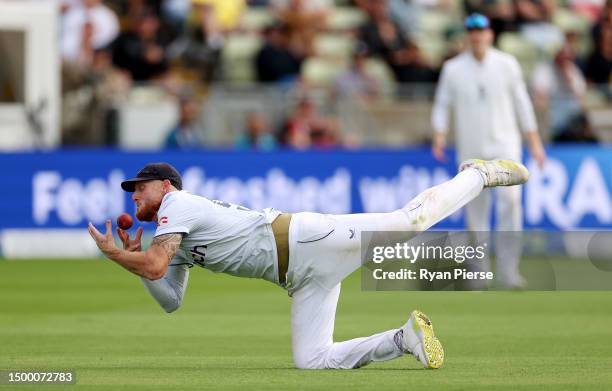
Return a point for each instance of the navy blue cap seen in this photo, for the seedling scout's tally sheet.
(476, 21)
(154, 171)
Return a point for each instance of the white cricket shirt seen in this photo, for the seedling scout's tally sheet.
(220, 236)
(489, 103)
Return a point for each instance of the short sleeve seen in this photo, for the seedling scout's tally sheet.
(174, 216)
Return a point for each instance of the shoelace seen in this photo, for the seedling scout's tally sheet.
(505, 174)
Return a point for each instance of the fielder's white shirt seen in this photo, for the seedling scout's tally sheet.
(489, 103)
(219, 236)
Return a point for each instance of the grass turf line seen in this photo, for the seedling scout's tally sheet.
(234, 334)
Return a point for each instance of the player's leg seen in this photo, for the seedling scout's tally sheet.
(509, 227)
(326, 248)
(314, 300)
(336, 238)
(478, 222)
(478, 213)
(313, 312)
(440, 201)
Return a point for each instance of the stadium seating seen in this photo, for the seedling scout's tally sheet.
(321, 72)
(345, 18)
(336, 45)
(379, 70)
(567, 20)
(526, 53)
(256, 18)
(433, 48)
(237, 56)
(435, 22)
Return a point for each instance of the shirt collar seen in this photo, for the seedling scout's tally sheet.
(484, 61)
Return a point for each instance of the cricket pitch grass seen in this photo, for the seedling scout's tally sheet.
(97, 319)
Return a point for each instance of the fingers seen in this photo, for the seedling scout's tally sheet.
(103, 239)
(540, 158)
(543, 160)
(109, 228)
(134, 247)
(439, 155)
(435, 151)
(90, 231)
(124, 236)
(95, 234)
(139, 232)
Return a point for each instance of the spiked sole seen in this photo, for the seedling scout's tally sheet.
(432, 347)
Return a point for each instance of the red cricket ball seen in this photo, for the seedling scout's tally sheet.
(125, 221)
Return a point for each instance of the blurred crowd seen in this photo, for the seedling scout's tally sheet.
(109, 47)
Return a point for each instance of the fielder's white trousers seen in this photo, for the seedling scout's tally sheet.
(509, 224)
(324, 249)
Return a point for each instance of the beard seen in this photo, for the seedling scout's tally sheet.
(147, 212)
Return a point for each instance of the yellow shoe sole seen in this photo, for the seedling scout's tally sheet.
(434, 352)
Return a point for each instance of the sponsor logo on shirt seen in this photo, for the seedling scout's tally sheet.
(162, 220)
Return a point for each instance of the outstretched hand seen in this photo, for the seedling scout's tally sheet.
(106, 241)
(129, 244)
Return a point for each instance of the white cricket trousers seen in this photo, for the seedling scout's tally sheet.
(324, 249)
(509, 224)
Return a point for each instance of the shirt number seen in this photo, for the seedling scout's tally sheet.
(198, 253)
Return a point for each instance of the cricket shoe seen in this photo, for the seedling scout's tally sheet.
(498, 172)
(514, 282)
(419, 340)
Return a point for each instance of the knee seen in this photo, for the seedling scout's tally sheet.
(412, 217)
(307, 364)
(309, 360)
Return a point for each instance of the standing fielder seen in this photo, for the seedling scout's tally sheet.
(485, 91)
(308, 254)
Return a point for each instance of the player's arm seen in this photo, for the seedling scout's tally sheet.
(526, 114)
(169, 290)
(440, 115)
(151, 264)
(536, 148)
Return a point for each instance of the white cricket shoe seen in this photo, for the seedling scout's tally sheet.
(418, 339)
(498, 172)
(514, 282)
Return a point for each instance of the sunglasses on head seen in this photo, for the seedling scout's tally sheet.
(476, 22)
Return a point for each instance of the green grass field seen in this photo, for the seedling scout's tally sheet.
(231, 333)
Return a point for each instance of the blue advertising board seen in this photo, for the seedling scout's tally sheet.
(68, 188)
